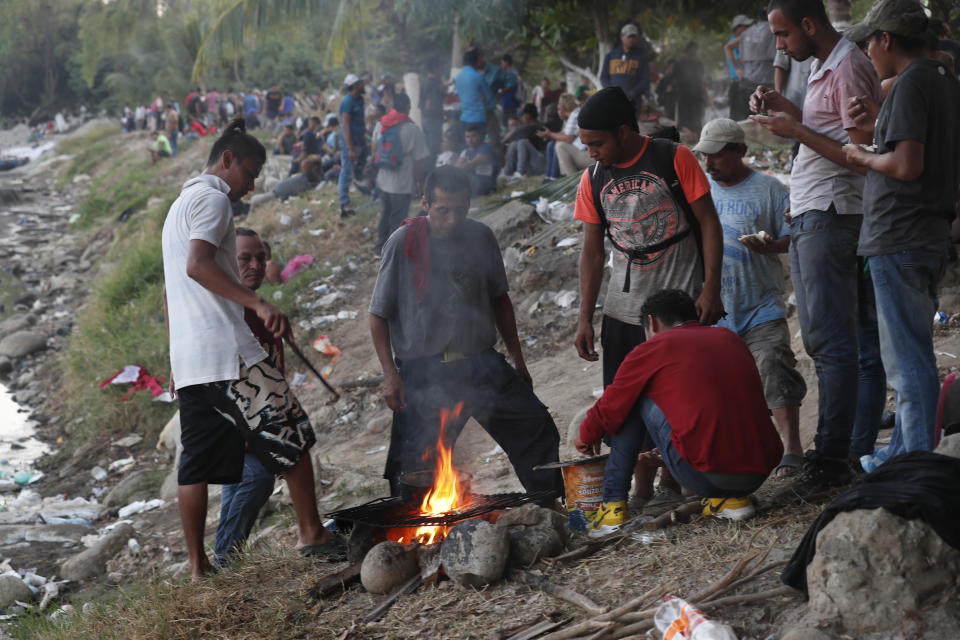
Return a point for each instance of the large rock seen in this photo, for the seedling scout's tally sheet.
(387, 566)
(93, 561)
(137, 486)
(872, 570)
(510, 216)
(475, 553)
(17, 323)
(529, 544)
(22, 343)
(12, 589)
(532, 515)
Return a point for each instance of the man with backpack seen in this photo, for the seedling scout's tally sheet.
(399, 153)
(650, 197)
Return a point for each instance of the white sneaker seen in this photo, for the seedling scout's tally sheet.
(517, 175)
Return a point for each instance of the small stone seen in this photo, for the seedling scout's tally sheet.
(12, 589)
(137, 485)
(22, 343)
(6, 366)
(380, 423)
(387, 566)
(475, 553)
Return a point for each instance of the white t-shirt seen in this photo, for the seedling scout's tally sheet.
(208, 335)
(570, 128)
(414, 145)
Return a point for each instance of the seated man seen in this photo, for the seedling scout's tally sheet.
(697, 390)
(525, 149)
(160, 148)
(439, 301)
(285, 141)
(241, 502)
(479, 161)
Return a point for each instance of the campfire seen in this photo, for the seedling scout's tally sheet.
(448, 495)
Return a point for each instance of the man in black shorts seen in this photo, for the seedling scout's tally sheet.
(232, 397)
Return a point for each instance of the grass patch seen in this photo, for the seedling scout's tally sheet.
(121, 324)
(79, 144)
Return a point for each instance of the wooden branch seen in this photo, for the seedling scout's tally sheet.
(336, 582)
(375, 381)
(378, 611)
(676, 516)
(558, 591)
(532, 631)
(587, 73)
(748, 597)
(588, 626)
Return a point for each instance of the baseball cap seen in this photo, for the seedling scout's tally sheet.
(329, 118)
(902, 17)
(351, 80)
(719, 133)
(741, 20)
(630, 30)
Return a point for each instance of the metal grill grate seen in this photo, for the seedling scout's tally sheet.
(393, 512)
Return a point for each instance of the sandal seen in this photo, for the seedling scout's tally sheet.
(790, 463)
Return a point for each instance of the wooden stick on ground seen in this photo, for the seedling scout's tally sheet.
(591, 625)
(563, 593)
(535, 630)
(336, 582)
(377, 612)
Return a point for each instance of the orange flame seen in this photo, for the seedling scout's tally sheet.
(447, 494)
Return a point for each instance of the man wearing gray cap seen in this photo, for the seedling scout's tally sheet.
(627, 66)
(909, 202)
(751, 206)
(758, 48)
(354, 132)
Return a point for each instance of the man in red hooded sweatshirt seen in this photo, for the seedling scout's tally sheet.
(400, 149)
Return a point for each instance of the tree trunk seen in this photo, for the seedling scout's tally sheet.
(839, 12)
(456, 54)
(601, 28)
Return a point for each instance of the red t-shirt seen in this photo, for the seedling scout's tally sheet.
(706, 383)
(273, 346)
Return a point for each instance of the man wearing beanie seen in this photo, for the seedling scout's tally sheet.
(652, 200)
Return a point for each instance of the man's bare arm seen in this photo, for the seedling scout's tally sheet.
(392, 385)
(709, 305)
(506, 321)
(905, 162)
(591, 276)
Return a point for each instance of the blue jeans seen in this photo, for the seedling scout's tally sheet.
(173, 141)
(346, 173)
(240, 505)
(553, 165)
(823, 267)
(872, 387)
(905, 285)
(627, 443)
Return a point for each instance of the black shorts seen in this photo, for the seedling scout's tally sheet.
(617, 339)
(220, 420)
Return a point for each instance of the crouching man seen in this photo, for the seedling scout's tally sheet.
(440, 299)
(697, 390)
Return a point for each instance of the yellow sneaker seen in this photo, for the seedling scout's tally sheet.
(608, 518)
(729, 508)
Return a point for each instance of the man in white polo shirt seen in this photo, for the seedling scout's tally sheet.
(232, 397)
(826, 209)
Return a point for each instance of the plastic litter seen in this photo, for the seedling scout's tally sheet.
(120, 465)
(277, 295)
(27, 477)
(317, 232)
(347, 315)
(330, 299)
(98, 473)
(324, 346)
(377, 450)
(568, 242)
(133, 545)
(285, 220)
(322, 289)
(298, 380)
(565, 299)
(141, 506)
(940, 317)
(55, 508)
(513, 259)
(128, 441)
(678, 619)
(560, 211)
(138, 377)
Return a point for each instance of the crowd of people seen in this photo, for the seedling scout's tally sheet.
(696, 355)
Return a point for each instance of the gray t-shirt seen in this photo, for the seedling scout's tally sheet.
(400, 181)
(457, 314)
(758, 46)
(899, 215)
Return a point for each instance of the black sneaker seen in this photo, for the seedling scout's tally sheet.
(346, 212)
(818, 475)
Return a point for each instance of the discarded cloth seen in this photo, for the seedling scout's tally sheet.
(416, 249)
(915, 485)
(295, 266)
(138, 377)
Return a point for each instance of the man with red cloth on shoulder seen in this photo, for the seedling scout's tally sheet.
(439, 302)
(697, 390)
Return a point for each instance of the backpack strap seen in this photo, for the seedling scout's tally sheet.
(662, 153)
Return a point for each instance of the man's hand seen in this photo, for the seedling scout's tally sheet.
(584, 342)
(393, 391)
(739, 72)
(521, 366)
(709, 307)
(586, 449)
(863, 110)
(353, 155)
(273, 319)
(766, 99)
(545, 134)
(855, 156)
(755, 245)
(779, 124)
